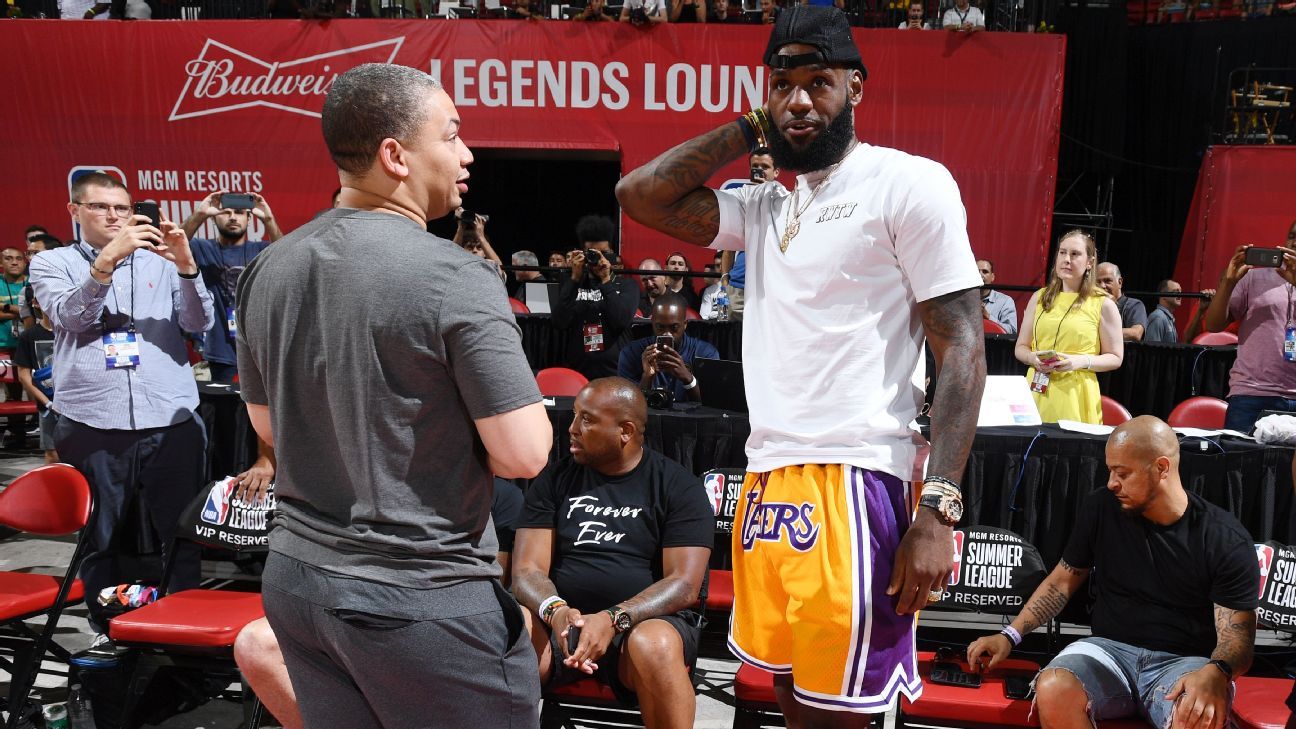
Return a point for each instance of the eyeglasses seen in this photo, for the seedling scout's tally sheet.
(98, 208)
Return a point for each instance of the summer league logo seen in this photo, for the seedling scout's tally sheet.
(1277, 565)
(223, 78)
(226, 520)
(722, 488)
(993, 568)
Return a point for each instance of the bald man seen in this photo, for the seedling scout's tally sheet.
(1133, 313)
(614, 543)
(1174, 617)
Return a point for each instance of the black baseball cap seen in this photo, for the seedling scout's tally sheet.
(822, 26)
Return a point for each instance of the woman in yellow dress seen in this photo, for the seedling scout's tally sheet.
(1077, 328)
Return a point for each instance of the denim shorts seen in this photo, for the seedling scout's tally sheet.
(1125, 681)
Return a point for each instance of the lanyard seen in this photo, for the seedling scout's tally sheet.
(963, 16)
(1061, 321)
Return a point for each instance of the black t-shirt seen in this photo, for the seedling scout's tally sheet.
(609, 532)
(610, 305)
(34, 355)
(506, 510)
(1156, 586)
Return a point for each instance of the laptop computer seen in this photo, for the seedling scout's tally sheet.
(539, 296)
(722, 384)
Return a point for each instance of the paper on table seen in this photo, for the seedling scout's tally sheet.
(1200, 433)
(1007, 401)
(1089, 428)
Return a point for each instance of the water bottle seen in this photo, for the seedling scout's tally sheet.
(80, 715)
(56, 716)
(721, 304)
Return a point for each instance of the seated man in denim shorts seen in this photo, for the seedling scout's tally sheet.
(610, 554)
(1176, 591)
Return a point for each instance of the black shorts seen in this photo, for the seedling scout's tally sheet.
(685, 622)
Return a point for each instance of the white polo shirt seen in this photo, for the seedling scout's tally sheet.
(832, 340)
(956, 17)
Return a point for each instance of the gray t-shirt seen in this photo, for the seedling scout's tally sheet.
(1132, 312)
(376, 345)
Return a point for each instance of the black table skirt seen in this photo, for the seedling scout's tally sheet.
(700, 439)
(231, 440)
(1252, 482)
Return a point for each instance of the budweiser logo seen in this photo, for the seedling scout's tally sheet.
(222, 78)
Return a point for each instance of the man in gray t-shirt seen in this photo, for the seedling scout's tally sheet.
(385, 366)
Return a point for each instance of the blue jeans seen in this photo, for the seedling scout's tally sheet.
(1244, 410)
(1125, 681)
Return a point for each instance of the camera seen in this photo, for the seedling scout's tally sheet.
(638, 15)
(592, 257)
(758, 173)
(659, 398)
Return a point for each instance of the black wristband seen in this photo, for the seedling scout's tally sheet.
(190, 276)
(1224, 667)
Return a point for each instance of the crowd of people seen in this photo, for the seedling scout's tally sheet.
(410, 553)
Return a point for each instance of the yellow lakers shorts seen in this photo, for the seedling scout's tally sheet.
(813, 549)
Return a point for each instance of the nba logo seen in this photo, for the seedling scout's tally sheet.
(1264, 555)
(958, 557)
(216, 510)
(715, 485)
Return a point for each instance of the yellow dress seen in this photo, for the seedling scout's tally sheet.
(1071, 395)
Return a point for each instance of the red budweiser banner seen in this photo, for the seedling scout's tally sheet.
(179, 109)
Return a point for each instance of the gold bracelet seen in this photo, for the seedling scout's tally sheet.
(97, 270)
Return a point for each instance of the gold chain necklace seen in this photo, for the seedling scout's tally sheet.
(793, 225)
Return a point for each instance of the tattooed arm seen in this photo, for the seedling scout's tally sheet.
(1048, 600)
(1202, 696)
(1234, 638)
(668, 195)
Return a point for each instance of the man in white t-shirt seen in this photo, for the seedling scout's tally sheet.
(847, 275)
(915, 20)
(963, 17)
(644, 12)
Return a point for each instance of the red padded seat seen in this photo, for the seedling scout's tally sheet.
(1207, 413)
(196, 618)
(1113, 413)
(985, 705)
(23, 594)
(17, 407)
(755, 686)
(1261, 703)
(992, 327)
(585, 690)
(720, 590)
(560, 382)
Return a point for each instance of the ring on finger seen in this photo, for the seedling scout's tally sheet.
(935, 595)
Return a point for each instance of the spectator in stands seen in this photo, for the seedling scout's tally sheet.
(769, 12)
(681, 285)
(1161, 322)
(596, 11)
(522, 278)
(688, 11)
(1132, 312)
(557, 259)
(1174, 614)
(257, 651)
(915, 21)
(653, 286)
(667, 368)
(1070, 332)
(127, 423)
(1259, 299)
(594, 305)
(33, 231)
(426, 384)
(722, 12)
(521, 10)
(630, 590)
(643, 12)
(38, 242)
(13, 262)
(470, 235)
(708, 310)
(34, 358)
(221, 261)
(963, 17)
(995, 306)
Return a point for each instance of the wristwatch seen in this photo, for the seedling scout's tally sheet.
(620, 618)
(1223, 666)
(947, 506)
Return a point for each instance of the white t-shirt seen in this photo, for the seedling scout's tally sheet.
(651, 7)
(832, 340)
(956, 17)
(905, 25)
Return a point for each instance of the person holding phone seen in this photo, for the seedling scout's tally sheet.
(1260, 298)
(665, 360)
(1071, 331)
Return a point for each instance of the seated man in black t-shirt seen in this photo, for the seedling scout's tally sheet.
(614, 542)
(1176, 591)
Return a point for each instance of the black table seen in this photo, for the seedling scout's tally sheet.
(546, 346)
(700, 438)
(1251, 481)
(231, 440)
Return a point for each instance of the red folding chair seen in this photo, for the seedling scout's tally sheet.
(10, 409)
(518, 307)
(754, 700)
(192, 628)
(1206, 413)
(1215, 339)
(1113, 413)
(560, 382)
(992, 327)
(1260, 702)
(50, 501)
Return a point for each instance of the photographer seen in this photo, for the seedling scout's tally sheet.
(661, 366)
(595, 11)
(594, 305)
(471, 236)
(644, 12)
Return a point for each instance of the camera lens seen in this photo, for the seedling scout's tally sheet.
(591, 257)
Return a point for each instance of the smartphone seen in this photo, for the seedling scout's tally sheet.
(573, 639)
(1048, 356)
(1264, 257)
(951, 675)
(237, 201)
(665, 341)
(151, 210)
(1018, 686)
(758, 173)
